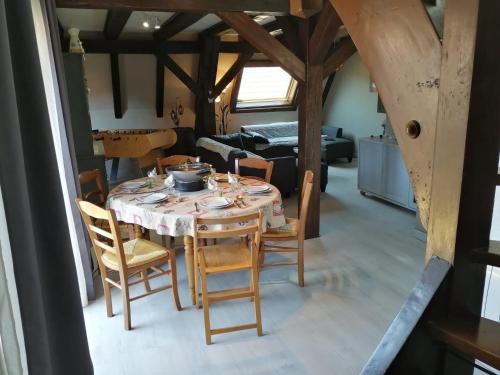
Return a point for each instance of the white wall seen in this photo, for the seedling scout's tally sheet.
(138, 80)
(350, 104)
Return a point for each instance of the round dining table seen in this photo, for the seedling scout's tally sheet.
(175, 216)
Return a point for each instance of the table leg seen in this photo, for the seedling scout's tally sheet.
(137, 231)
(189, 252)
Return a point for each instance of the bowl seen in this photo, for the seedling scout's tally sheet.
(189, 172)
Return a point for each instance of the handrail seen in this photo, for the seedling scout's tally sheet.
(408, 317)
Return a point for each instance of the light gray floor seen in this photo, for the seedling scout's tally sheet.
(358, 273)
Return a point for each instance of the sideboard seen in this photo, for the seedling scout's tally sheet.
(382, 172)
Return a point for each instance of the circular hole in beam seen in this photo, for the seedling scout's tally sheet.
(413, 129)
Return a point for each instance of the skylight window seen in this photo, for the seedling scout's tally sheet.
(264, 87)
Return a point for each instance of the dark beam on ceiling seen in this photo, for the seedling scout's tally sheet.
(175, 24)
(207, 6)
(343, 51)
(115, 22)
(128, 46)
(259, 38)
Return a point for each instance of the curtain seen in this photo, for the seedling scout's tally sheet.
(43, 261)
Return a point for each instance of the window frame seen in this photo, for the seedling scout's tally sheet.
(272, 108)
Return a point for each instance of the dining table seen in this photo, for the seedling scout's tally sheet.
(175, 215)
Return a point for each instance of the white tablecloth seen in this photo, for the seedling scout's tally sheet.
(176, 218)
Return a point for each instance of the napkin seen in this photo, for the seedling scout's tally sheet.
(170, 181)
(152, 173)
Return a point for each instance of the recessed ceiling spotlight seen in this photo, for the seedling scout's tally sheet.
(145, 22)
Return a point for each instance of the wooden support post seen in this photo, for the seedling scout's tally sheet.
(115, 22)
(115, 83)
(310, 117)
(160, 87)
(205, 99)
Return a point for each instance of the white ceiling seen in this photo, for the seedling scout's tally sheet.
(92, 20)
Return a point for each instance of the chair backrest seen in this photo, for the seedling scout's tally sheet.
(102, 240)
(238, 226)
(94, 176)
(254, 163)
(305, 199)
(168, 161)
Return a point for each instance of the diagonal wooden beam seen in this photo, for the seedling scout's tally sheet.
(232, 72)
(258, 37)
(345, 49)
(115, 22)
(215, 29)
(328, 86)
(178, 71)
(208, 6)
(176, 23)
(324, 33)
(403, 57)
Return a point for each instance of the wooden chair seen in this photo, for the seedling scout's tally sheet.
(254, 163)
(168, 161)
(295, 231)
(128, 259)
(94, 176)
(225, 257)
(98, 196)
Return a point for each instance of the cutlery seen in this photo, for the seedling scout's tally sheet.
(196, 207)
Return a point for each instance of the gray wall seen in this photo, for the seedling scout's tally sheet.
(350, 104)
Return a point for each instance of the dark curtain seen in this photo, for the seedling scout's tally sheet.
(51, 313)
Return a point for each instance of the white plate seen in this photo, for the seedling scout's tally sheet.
(257, 189)
(217, 202)
(153, 198)
(131, 185)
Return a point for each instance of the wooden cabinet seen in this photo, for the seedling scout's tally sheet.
(382, 172)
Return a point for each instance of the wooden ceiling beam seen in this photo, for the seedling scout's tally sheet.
(115, 22)
(175, 24)
(344, 50)
(399, 44)
(178, 71)
(324, 33)
(259, 38)
(207, 6)
(233, 71)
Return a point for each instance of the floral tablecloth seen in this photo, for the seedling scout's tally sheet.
(175, 218)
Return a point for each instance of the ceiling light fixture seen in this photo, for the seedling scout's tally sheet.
(157, 23)
(145, 22)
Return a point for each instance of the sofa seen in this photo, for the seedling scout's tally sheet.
(221, 151)
(222, 156)
(285, 136)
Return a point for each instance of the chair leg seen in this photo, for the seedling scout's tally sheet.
(255, 287)
(262, 255)
(126, 301)
(107, 294)
(206, 313)
(145, 277)
(173, 275)
(300, 263)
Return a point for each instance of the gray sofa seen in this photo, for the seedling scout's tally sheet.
(285, 134)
